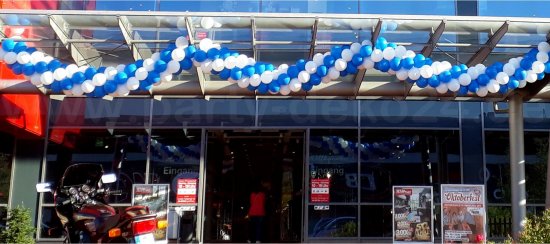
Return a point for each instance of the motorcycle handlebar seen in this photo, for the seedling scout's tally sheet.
(116, 192)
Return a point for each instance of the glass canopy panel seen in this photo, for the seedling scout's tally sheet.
(284, 33)
(344, 30)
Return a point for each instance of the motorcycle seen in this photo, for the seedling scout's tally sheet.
(81, 205)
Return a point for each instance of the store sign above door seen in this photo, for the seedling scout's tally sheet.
(48, 72)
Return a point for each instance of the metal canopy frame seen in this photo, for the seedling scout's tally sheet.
(84, 50)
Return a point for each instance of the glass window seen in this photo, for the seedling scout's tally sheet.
(333, 155)
(535, 116)
(142, 5)
(283, 112)
(6, 158)
(527, 8)
(337, 221)
(407, 157)
(376, 221)
(310, 6)
(175, 155)
(210, 6)
(400, 114)
(431, 7)
(123, 152)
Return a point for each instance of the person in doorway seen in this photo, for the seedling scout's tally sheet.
(256, 213)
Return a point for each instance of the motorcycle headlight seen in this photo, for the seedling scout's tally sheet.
(73, 191)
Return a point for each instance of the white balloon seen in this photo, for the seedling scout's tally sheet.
(366, 43)
(46, 78)
(173, 66)
(59, 74)
(267, 77)
(542, 56)
(437, 67)
(218, 65)
(333, 73)
(514, 62)
(207, 22)
(303, 76)
(402, 74)
(205, 44)
(453, 85)
(99, 79)
(414, 73)
(544, 47)
(122, 90)
(445, 65)
(110, 72)
(502, 78)
(493, 86)
(120, 68)
(155, 56)
(77, 90)
(531, 76)
(340, 64)
(295, 85)
(283, 68)
(355, 47)
(400, 51)
(132, 83)
(181, 42)
(376, 55)
(388, 53)
(368, 63)
(537, 67)
(480, 68)
(473, 72)
(10, 58)
(464, 79)
(409, 54)
(88, 87)
(284, 90)
(442, 88)
(522, 83)
(347, 55)
(243, 82)
(67, 92)
(3, 53)
(71, 69)
(23, 57)
(242, 60)
(509, 69)
(391, 72)
(230, 62)
(482, 91)
(196, 63)
(206, 66)
(276, 74)
(36, 57)
(426, 71)
(83, 68)
(251, 61)
(35, 79)
(255, 80)
(148, 64)
(141, 73)
(48, 59)
(178, 54)
(326, 79)
(311, 67)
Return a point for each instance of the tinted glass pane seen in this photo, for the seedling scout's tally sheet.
(76, 112)
(535, 116)
(199, 112)
(123, 152)
(311, 6)
(338, 221)
(527, 8)
(175, 155)
(210, 5)
(382, 227)
(432, 7)
(50, 226)
(401, 114)
(142, 5)
(308, 113)
(6, 158)
(333, 154)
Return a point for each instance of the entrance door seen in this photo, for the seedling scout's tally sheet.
(237, 162)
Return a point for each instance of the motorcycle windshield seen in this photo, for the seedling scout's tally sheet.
(79, 174)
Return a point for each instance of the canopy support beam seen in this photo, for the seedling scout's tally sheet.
(484, 52)
(190, 31)
(358, 79)
(127, 29)
(80, 56)
(313, 38)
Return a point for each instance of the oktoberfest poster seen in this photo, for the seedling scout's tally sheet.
(412, 219)
(154, 196)
(463, 213)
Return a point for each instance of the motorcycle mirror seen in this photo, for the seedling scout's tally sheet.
(108, 178)
(43, 187)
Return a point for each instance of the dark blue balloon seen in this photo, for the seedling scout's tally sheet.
(262, 88)
(259, 68)
(456, 71)
(224, 53)
(547, 67)
(130, 69)
(351, 69)
(513, 83)
(200, 55)
(153, 77)
(41, 67)
(274, 87)
(19, 47)
(343, 73)
(248, 70)
(121, 78)
(503, 89)
(54, 64)
(540, 76)
(269, 67)
(301, 64)
(422, 82)
(532, 53)
(8, 45)
(160, 66)
(463, 68)
(17, 68)
(473, 86)
(336, 52)
(283, 79)
(433, 81)
(395, 64)
(213, 53)
(139, 63)
(307, 86)
(66, 84)
(236, 73)
(491, 71)
(483, 79)
(145, 86)
(315, 79)
(445, 76)
(186, 64)
(520, 74)
(463, 90)
(526, 63)
(498, 66)
(384, 65)
(56, 87)
(365, 51)
(166, 56)
(190, 51)
(171, 46)
(293, 71)
(419, 60)
(322, 70)
(428, 61)
(251, 88)
(225, 74)
(212, 72)
(31, 50)
(28, 69)
(357, 59)
(78, 78)
(329, 61)
(407, 63)
(101, 69)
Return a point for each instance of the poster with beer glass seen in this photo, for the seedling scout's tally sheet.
(463, 213)
(154, 196)
(412, 214)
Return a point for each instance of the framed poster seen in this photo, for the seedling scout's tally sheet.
(154, 196)
(462, 213)
(187, 191)
(320, 190)
(413, 214)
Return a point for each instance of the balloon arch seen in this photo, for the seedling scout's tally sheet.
(406, 65)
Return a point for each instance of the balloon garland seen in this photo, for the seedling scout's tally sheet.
(394, 148)
(406, 65)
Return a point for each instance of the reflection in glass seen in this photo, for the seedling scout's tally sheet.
(50, 226)
(6, 158)
(338, 221)
(382, 227)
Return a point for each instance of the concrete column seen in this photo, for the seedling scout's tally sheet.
(517, 164)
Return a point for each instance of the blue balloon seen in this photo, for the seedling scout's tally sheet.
(343, 73)
(491, 71)
(56, 87)
(101, 69)
(262, 88)
(464, 68)
(351, 69)
(473, 87)
(160, 66)
(410, 81)
(392, 45)
(19, 47)
(78, 78)
(190, 51)
(336, 52)
(8, 45)
(66, 84)
(293, 71)
(166, 56)
(463, 90)
(395, 64)
(153, 77)
(274, 87)
(419, 60)
(384, 65)
(532, 53)
(547, 67)
(54, 64)
(234, 54)
(139, 63)
(41, 67)
(171, 46)
(121, 78)
(213, 53)
(130, 69)
(365, 51)
(433, 81)
(526, 63)
(145, 86)
(200, 55)
(259, 68)
(28, 69)
(483, 79)
(322, 70)
(329, 61)
(407, 63)
(445, 76)
(31, 50)
(381, 43)
(503, 89)
(301, 64)
(186, 64)
(17, 68)
(513, 83)
(540, 76)
(422, 82)
(357, 59)
(456, 71)
(520, 74)
(307, 86)
(315, 79)
(428, 61)
(251, 88)
(225, 74)
(224, 53)
(248, 70)
(269, 67)
(236, 73)
(498, 66)
(283, 79)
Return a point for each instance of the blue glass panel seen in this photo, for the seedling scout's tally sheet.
(527, 8)
(337, 221)
(432, 7)
(200, 112)
(472, 143)
(400, 114)
(307, 113)
(142, 5)
(210, 5)
(311, 6)
(536, 116)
